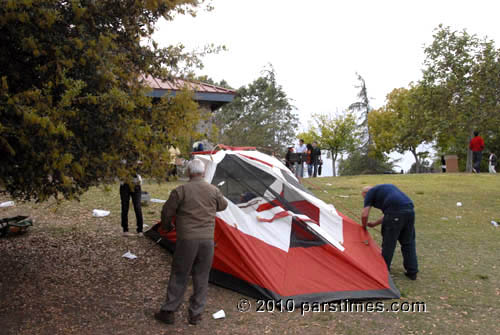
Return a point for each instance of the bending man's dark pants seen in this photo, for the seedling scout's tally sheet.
(191, 256)
(400, 227)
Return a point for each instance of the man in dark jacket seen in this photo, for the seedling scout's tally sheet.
(398, 223)
(194, 206)
(315, 158)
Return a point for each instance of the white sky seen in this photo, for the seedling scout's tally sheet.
(317, 46)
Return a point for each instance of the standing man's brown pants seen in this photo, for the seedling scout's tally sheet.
(190, 256)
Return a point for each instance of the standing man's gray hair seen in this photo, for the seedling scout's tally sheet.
(196, 166)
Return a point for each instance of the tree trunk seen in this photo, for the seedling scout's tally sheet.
(417, 161)
(334, 158)
(468, 166)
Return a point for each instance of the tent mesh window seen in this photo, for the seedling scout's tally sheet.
(242, 182)
(294, 182)
(301, 237)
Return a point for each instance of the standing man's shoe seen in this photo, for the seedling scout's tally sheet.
(167, 317)
(194, 319)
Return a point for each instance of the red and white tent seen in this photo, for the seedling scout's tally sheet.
(276, 240)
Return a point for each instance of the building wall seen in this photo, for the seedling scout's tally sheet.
(205, 125)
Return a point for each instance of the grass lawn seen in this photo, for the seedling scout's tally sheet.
(67, 276)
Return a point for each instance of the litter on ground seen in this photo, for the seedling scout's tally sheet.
(100, 213)
(219, 315)
(129, 255)
(7, 204)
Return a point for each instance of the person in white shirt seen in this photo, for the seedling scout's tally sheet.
(300, 149)
(492, 162)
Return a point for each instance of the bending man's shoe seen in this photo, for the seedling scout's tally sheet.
(412, 276)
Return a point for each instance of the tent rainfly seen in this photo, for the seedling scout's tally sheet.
(276, 240)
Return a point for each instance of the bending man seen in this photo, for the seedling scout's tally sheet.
(398, 223)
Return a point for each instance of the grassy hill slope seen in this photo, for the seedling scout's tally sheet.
(67, 276)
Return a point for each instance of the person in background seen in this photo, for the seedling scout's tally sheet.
(194, 206)
(309, 159)
(174, 154)
(492, 162)
(198, 146)
(300, 149)
(131, 189)
(443, 164)
(398, 223)
(315, 158)
(476, 144)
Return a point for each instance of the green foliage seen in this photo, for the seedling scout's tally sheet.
(207, 80)
(461, 80)
(72, 104)
(362, 162)
(363, 106)
(336, 134)
(261, 115)
(309, 136)
(364, 159)
(400, 124)
(423, 167)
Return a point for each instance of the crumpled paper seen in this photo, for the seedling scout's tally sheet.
(100, 213)
(129, 255)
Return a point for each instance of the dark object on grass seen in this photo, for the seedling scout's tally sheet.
(14, 225)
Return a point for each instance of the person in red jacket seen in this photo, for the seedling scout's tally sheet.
(476, 145)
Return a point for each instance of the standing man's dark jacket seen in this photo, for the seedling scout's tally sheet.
(194, 206)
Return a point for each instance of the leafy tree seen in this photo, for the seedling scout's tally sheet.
(399, 125)
(206, 79)
(364, 159)
(72, 102)
(337, 134)
(310, 136)
(461, 80)
(261, 115)
(359, 162)
(425, 167)
(363, 106)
